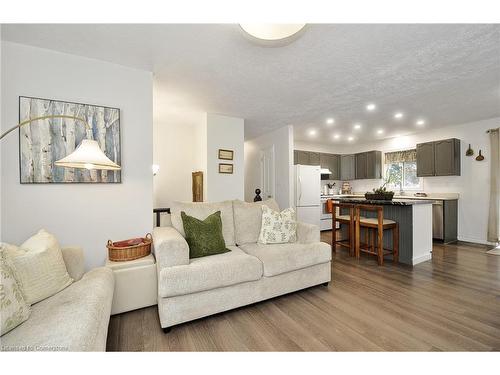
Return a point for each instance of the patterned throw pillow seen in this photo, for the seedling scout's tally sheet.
(278, 227)
(13, 307)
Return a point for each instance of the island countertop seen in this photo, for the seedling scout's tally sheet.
(394, 202)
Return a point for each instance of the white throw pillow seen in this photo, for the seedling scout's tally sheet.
(278, 227)
(39, 267)
(13, 307)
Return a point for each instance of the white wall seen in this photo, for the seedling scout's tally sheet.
(224, 132)
(78, 214)
(282, 139)
(178, 146)
(473, 184)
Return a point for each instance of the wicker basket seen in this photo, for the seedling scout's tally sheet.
(124, 253)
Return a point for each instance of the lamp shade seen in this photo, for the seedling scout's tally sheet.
(88, 155)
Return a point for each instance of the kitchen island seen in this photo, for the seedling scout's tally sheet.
(415, 225)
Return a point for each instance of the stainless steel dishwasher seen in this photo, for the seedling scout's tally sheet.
(437, 220)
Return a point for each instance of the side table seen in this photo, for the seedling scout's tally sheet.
(136, 284)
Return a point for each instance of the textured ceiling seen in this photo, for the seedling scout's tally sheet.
(446, 74)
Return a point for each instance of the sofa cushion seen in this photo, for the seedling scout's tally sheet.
(248, 219)
(210, 272)
(286, 257)
(202, 211)
(75, 319)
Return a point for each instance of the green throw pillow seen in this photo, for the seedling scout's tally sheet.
(204, 237)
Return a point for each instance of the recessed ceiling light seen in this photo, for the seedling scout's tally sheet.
(312, 132)
(330, 121)
(350, 139)
(420, 122)
(380, 131)
(336, 136)
(398, 115)
(371, 107)
(357, 126)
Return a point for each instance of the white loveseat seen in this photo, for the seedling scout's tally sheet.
(189, 289)
(75, 319)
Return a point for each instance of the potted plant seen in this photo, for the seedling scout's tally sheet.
(380, 193)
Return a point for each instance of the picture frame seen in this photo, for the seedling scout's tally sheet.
(226, 154)
(59, 136)
(197, 186)
(226, 168)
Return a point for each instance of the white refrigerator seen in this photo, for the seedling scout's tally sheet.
(308, 193)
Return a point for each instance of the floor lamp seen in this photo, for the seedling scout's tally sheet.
(87, 155)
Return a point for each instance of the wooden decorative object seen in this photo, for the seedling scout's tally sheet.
(225, 168)
(480, 157)
(226, 154)
(197, 186)
(136, 248)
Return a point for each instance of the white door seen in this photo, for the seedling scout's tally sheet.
(268, 173)
(308, 185)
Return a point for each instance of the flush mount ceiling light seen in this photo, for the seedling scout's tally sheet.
(330, 121)
(336, 136)
(371, 107)
(420, 122)
(273, 34)
(380, 131)
(350, 139)
(398, 115)
(357, 126)
(312, 132)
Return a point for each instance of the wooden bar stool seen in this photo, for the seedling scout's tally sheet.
(343, 219)
(375, 227)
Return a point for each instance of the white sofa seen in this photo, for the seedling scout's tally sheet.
(75, 319)
(189, 289)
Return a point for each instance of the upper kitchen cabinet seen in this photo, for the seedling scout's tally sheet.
(301, 157)
(369, 165)
(425, 159)
(439, 158)
(360, 166)
(447, 157)
(331, 162)
(347, 167)
(314, 158)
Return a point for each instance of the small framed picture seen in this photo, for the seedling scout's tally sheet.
(225, 168)
(226, 154)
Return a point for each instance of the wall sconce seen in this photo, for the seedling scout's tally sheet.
(155, 168)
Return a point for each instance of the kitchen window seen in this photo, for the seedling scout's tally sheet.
(401, 170)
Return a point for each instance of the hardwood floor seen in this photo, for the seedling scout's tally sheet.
(451, 303)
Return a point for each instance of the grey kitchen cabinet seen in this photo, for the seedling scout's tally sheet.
(374, 164)
(331, 162)
(302, 157)
(447, 157)
(314, 158)
(369, 165)
(438, 158)
(361, 166)
(347, 167)
(425, 159)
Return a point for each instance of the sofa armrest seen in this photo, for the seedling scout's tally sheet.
(75, 261)
(307, 233)
(171, 249)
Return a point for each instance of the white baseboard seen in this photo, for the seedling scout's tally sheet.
(421, 258)
(475, 240)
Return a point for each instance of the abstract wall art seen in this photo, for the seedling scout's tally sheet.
(43, 142)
